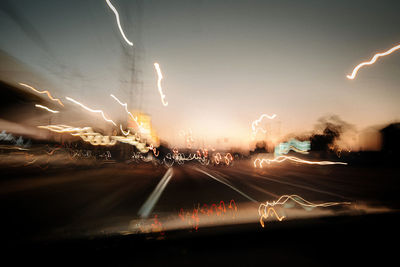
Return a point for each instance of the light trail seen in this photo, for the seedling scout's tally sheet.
(180, 158)
(291, 158)
(292, 144)
(154, 149)
(125, 105)
(124, 133)
(228, 158)
(160, 77)
(118, 22)
(52, 151)
(188, 137)
(214, 210)
(63, 128)
(299, 200)
(266, 214)
(131, 140)
(42, 92)
(372, 61)
(285, 183)
(217, 158)
(46, 108)
(88, 135)
(91, 110)
(148, 206)
(225, 182)
(255, 123)
(266, 208)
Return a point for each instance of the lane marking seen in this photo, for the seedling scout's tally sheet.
(149, 204)
(225, 182)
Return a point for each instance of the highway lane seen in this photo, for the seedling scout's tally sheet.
(278, 183)
(107, 199)
(74, 200)
(337, 182)
(189, 187)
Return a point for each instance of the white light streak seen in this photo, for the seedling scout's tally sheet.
(372, 61)
(295, 159)
(46, 108)
(124, 133)
(264, 210)
(160, 77)
(125, 105)
(299, 200)
(42, 92)
(118, 22)
(88, 135)
(91, 110)
(255, 123)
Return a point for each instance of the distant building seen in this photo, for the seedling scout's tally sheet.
(146, 130)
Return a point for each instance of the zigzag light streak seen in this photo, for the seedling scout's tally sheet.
(266, 208)
(372, 61)
(299, 200)
(46, 108)
(283, 158)
(266, 214)
(293, 144)
(160, 77)
(42, 92)
(88, 135)
(255, 123)
(118, 22)
(91, 110)
(125, 105)
(215, 210)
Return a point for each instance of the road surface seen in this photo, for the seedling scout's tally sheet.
(120, 198)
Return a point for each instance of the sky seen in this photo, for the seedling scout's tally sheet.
(224, 62)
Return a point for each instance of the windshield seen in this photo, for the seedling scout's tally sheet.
(159, 119)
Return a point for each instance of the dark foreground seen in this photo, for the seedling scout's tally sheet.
(338, 241)
(81, 214)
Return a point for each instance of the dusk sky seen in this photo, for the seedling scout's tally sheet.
(224, 62)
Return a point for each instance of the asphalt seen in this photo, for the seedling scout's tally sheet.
(97, 209)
